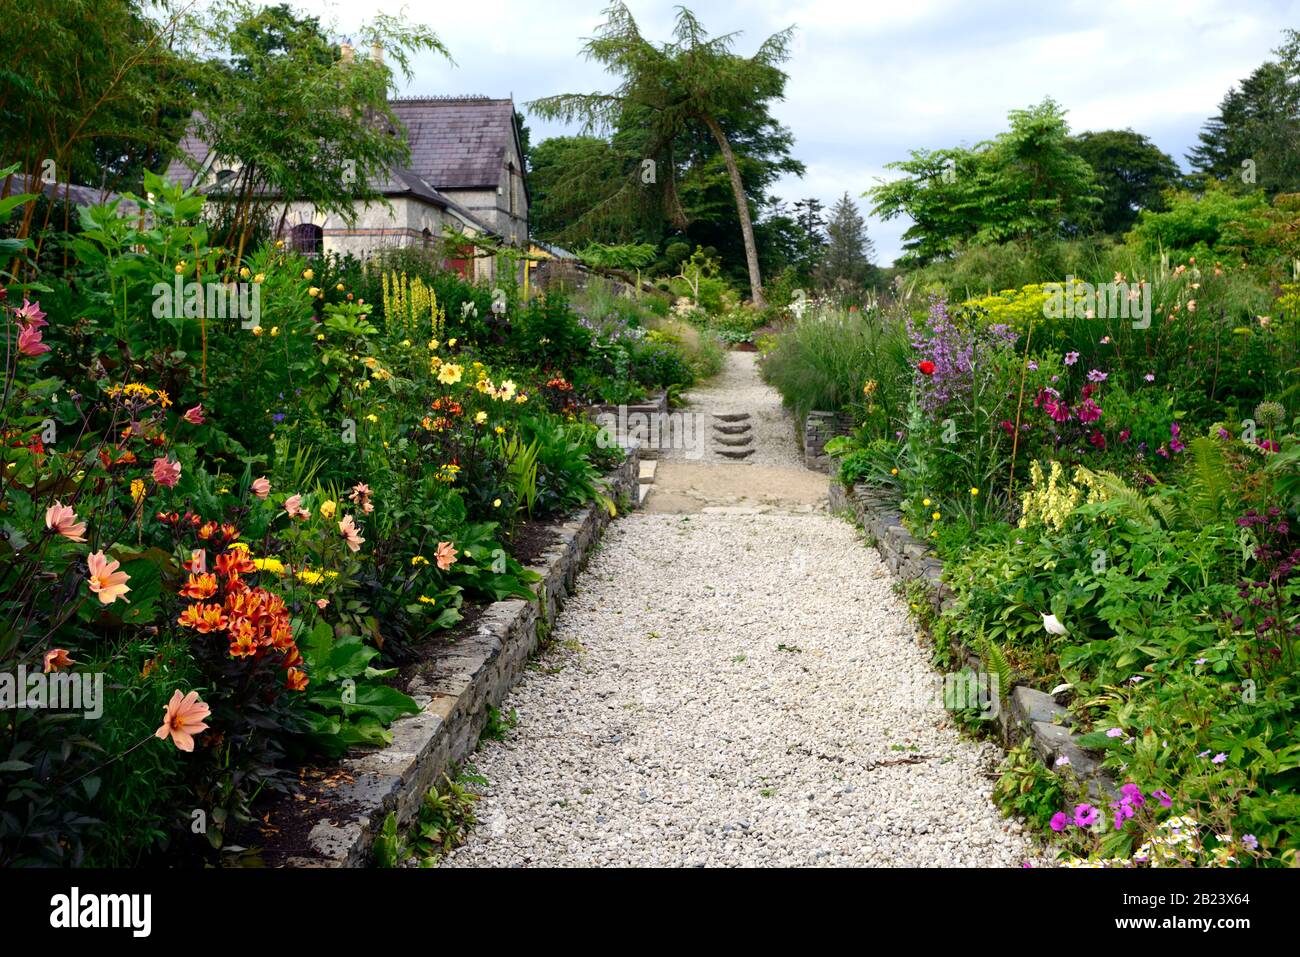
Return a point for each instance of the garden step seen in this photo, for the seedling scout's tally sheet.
(733, 454)
(731, 416)
(646, 475)
(732, 429)
(643, 492)
(738, 440)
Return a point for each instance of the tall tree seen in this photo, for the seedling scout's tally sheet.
(1131, 171)
(847, 260)
(1027, 184)
(692, 81)
(1255, 136)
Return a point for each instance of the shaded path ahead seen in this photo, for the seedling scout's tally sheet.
(734, 683)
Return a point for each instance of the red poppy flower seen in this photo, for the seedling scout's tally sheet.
(926, 367)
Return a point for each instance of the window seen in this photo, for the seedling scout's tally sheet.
(307, 238)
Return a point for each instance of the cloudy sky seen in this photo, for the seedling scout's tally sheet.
(871, 80)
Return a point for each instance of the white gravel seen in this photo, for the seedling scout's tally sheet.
(729, 688)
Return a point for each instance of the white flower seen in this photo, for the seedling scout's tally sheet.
(1053, 625)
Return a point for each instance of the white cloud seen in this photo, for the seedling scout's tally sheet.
(869, 81)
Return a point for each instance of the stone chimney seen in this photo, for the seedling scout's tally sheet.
(377, 53)
(347, 52)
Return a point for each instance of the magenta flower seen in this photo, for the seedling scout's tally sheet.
(1163, 797)
(1085, 815)
(1089, 411)
(1150, 377)
(1060, 821)
(1071, 358)
(1096, 375)
(1132, 795)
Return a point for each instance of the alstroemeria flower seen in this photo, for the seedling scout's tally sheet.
(63, 520)
(182, 719)
(261, 487)
(106, 580)
(194, 416)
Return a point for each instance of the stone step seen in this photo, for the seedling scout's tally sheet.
(732, 429)
(647, 473)
(733, 454)
(731, 416)
(734, 442)
(643, 492)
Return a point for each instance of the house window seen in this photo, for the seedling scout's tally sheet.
(307, 238)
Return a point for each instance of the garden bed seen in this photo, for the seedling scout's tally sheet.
(333, 821)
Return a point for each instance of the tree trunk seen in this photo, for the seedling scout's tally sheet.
(742, 208)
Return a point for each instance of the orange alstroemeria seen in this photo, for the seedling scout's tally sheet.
(200, 587)
(211, 618)
(57, 658)
(296, 679)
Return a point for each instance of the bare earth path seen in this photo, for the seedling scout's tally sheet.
(735, 684)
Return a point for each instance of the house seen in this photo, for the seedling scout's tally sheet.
(466, 172)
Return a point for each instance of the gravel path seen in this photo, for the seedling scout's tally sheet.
(730, 688)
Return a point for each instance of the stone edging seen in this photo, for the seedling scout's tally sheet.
(1031, 713)
(818, 429)
(477, 671)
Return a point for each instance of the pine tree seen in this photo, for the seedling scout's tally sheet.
(847, 261)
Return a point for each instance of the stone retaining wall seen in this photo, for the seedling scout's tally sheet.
(1029, 713)
(454, 689)
(818, 429)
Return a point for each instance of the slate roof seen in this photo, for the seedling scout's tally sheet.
(77, 195)
(457, 142)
